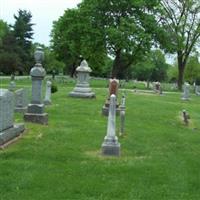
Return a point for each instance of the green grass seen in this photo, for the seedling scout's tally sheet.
(159, 154)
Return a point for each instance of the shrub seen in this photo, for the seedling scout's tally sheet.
(54, 88)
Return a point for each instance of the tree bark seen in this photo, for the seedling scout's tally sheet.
(181, 68)
(116, 64)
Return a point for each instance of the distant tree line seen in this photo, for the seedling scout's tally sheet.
(122, 39)
(126, 31)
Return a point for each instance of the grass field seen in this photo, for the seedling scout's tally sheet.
(159, 154)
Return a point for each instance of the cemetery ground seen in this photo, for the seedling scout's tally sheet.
(159, 154)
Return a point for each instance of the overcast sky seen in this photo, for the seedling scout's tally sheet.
(44, 12)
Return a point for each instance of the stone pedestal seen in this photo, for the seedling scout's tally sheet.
(8, 130)
(47, 99)
(35, 112)
(82, 88)
(111, 146)
(186, 92)
(21, 100)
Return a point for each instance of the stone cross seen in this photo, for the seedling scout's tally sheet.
(111, 145)
(35, 112)
(186, 92)
(8, 130)
(47, 100)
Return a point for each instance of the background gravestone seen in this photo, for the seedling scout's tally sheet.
(82, 88)
(47, 99)
(21, 100)
(186, 92)
(8, 130)
(35, 112)
(113, 89)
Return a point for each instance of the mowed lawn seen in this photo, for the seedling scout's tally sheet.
(160, 156)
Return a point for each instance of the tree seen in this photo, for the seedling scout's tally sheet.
(23, 32)
(9, 59)
(127, 28)
(71, 40)
(192, 71)
(152, 67)
(181, 21)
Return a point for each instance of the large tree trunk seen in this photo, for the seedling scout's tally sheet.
(181, 68)
(116, 64)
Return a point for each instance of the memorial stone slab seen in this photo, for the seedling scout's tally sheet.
(186, 92)
(21, 100)
(8, 130)
(47, 100)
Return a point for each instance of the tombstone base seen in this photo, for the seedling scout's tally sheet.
(36, 118)
(20, 109)
(82, 94)
(110, 149)
(47, 102)
(185, 99)
(11, 133)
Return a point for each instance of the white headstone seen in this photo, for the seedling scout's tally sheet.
(47, 100)
(186, 91)
(110, 145)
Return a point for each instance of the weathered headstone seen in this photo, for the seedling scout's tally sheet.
(35, 112)
(8, 130)
(186, 92)
(111, 146)
(122, 115)
(47, 100)
(12, 86)
(157, 88)
(82, 88)
(113, 89)
(197, 90)
(21, 100)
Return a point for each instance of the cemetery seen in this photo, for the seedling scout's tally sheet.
(108, 108)
(158, 151)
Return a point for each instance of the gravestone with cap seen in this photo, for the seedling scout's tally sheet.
(82, 88)
(111, 146)
(35, 112)
(8, 130)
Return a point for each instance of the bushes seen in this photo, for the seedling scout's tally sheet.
(54, 87)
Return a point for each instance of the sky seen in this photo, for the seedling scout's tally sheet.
(44, 12)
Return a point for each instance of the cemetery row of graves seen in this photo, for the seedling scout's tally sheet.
(97, 143)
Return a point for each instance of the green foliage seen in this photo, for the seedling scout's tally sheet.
(121, 29)
(192, 71)
(153, 67)
(172, 74)
(23, 32)
(181, 22)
